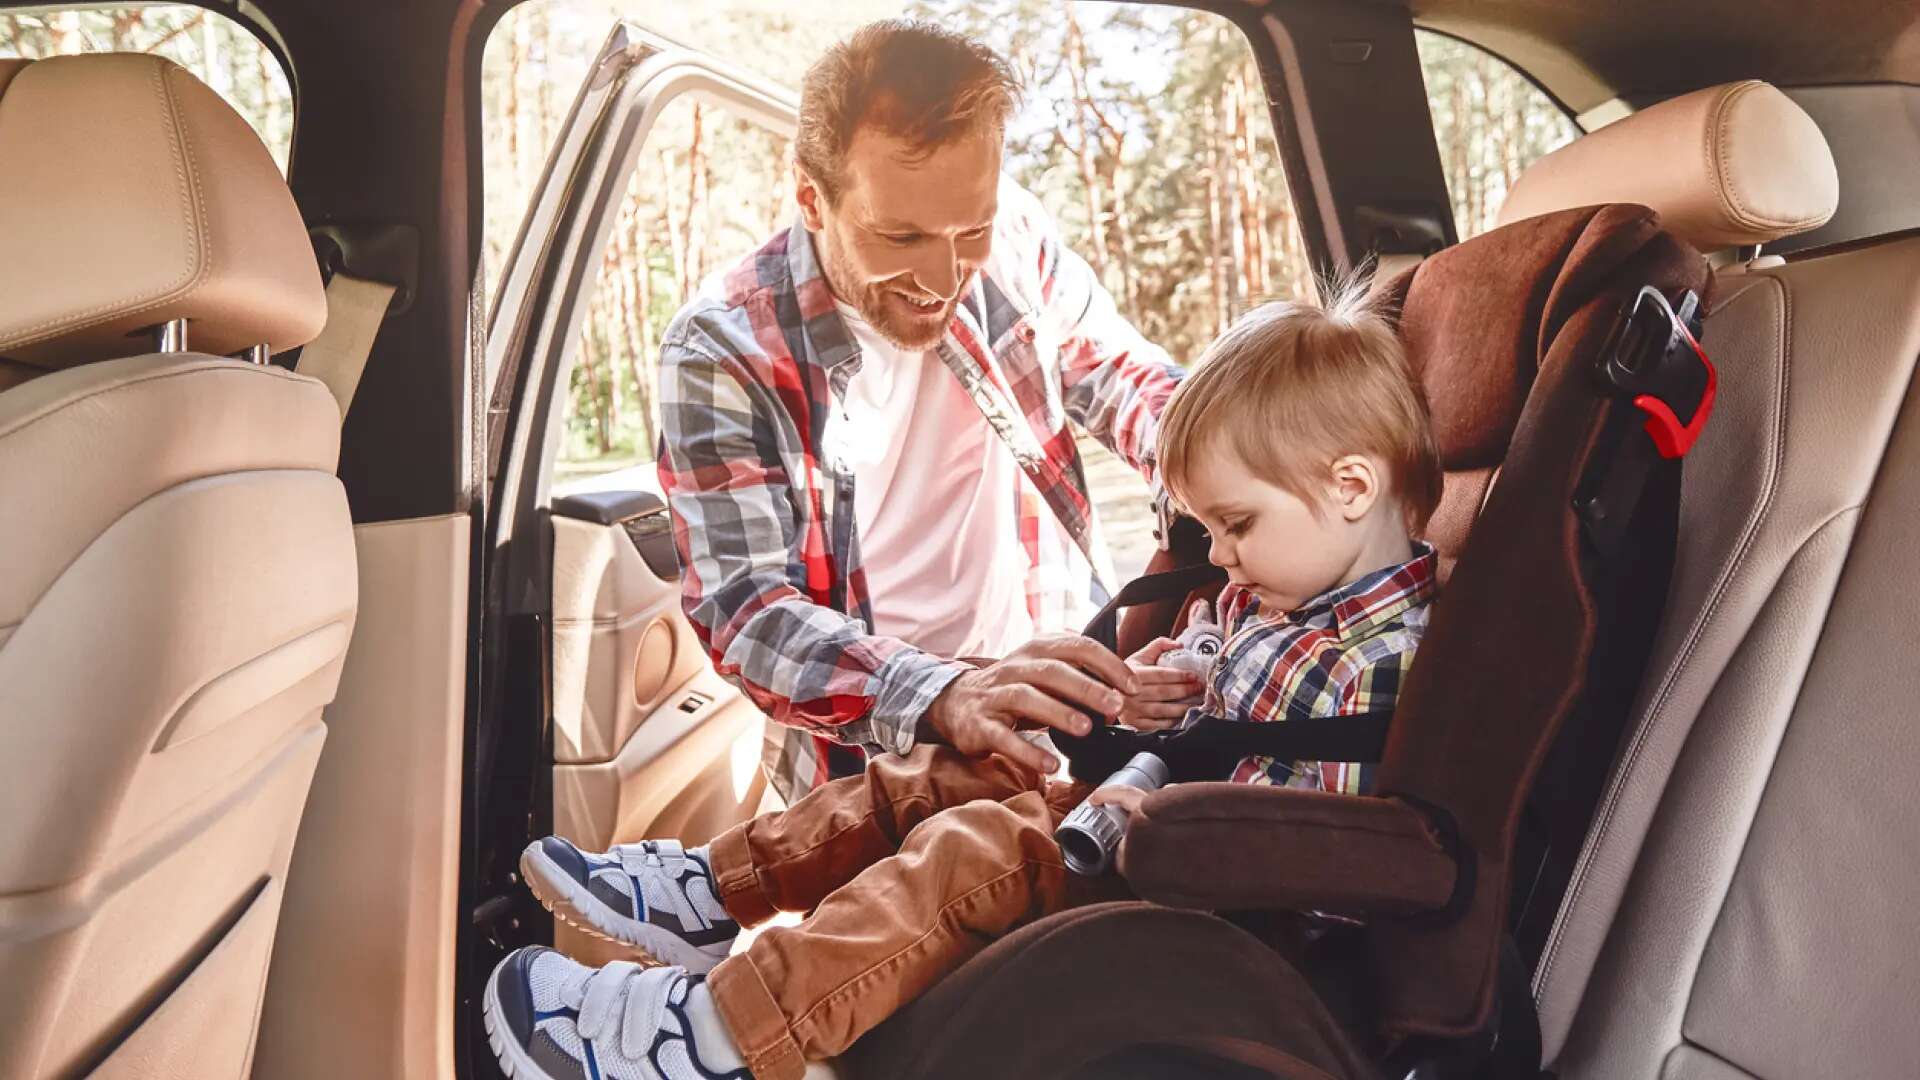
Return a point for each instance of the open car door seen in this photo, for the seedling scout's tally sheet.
(602, 718)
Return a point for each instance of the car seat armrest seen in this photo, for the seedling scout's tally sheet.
(1239, 847)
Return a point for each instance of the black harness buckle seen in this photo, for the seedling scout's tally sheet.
(1654, 359)
(1662, 385)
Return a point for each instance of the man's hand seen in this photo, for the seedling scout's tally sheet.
(1039, 684)
(1164, 693)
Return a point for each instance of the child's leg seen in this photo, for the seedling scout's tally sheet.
(685, 906)
(962, 879)
(791, 860)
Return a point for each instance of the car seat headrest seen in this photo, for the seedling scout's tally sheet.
(131, 196)
(1730, 165)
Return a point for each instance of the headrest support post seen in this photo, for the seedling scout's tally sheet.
(170, 336)
(255, 354)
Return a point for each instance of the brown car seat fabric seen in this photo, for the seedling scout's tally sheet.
(1505, 661)
(1048, 999)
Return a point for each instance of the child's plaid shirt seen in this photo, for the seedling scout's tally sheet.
(763, 509)
(1344, 652)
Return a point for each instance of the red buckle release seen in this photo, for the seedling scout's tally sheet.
(1670, 437)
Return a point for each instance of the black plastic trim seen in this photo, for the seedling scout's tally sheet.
(608, 507)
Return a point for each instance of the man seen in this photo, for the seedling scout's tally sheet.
(868, 452)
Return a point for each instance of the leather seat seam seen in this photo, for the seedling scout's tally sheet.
(1726, 888)
(213, 364)
(192, 201)
(83, 549)
(1683, 662)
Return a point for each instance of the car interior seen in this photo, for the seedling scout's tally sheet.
(301, 641)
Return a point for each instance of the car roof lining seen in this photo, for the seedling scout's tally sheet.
(1587, 55)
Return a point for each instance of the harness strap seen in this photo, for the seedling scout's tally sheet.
(1209, 748)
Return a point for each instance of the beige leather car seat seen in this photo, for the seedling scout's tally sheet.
(1745, 903)
(179, 583)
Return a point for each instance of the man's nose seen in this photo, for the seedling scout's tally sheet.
(939, 273)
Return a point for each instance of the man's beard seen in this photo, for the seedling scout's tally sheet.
(879, 306)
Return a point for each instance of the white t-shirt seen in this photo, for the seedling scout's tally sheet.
(936, 502)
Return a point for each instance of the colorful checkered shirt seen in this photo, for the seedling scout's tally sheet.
(763, 512)
(1344, 652)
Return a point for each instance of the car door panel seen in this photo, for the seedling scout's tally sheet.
(647, 739)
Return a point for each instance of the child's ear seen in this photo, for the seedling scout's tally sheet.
(1355, 487)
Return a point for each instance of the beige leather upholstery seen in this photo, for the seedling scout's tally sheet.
(1745, 906)
(647, 740)
(363, 965)
(1726, 166)
(179, 582)
(135, 196)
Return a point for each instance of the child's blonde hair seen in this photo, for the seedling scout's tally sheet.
(1292, 387)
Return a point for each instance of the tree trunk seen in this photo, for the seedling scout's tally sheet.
(694, 224)
(590, 386)
(676, 237)
(1252, 218)
(1084, 150)
(1230, 185)
(1216, 239)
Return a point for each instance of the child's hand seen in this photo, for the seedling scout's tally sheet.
(1150, 654)
(1164, 693)
(1126, 798)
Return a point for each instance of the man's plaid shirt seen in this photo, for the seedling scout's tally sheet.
(763, 512)
(1344, 652)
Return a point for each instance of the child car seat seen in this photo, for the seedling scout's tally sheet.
(1507, 332)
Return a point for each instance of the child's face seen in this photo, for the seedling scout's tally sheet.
(1271, 541)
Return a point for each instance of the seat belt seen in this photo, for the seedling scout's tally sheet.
(338, 357)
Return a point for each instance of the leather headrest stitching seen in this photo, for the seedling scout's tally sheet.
(1731, 165)
(132, 196)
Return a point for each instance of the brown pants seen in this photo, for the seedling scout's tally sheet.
(909, 870)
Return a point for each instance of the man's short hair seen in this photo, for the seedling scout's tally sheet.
(1292, 387)
(908, 79)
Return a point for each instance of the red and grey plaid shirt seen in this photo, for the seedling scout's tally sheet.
(1344, 652)
(763, 512)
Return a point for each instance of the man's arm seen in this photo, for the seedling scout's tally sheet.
(1116, 381)
(748, 565)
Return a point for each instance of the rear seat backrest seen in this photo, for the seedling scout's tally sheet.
(1743, 907)
(1745, 899)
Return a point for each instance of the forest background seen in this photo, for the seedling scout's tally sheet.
(1144, 130)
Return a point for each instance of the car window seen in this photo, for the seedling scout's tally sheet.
(1491, 123)
(220, 52)
(1144, 131)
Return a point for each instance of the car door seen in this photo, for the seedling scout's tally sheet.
(606, 721)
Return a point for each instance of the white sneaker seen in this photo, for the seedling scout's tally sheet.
(549, 1018)
(655, 897)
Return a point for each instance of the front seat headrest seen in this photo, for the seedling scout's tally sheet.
(131, 196)
(1728, 166)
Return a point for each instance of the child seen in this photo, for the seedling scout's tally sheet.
(1304, 445)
